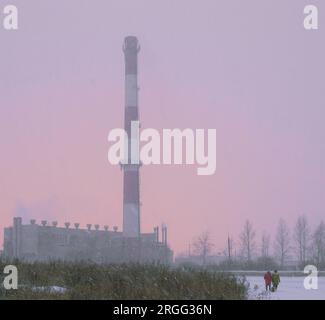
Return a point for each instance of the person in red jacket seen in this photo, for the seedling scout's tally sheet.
(268, 280)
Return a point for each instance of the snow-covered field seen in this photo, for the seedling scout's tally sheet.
(291, 288)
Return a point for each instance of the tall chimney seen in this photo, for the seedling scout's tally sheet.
(131, 195)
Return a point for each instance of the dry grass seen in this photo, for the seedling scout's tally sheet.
(135, 281)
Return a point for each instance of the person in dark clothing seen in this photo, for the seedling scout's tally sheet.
(268, 280)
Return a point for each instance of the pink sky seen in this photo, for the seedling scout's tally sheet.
(246, 68)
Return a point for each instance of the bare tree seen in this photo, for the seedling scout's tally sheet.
(302, 238)
(265, 245)
(282, 242)
(319, 244)
(202, 246)
(247, 241)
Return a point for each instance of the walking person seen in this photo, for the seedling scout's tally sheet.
(275, 280)
(268, 280)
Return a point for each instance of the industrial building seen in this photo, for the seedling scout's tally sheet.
(44, 242)
(47, 241)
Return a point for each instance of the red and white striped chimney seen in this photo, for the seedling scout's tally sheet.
(131, 193)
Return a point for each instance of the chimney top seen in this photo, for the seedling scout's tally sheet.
(131, 44)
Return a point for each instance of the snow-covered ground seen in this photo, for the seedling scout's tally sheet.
(291, 288)
(51, 289)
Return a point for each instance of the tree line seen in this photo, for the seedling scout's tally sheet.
(290, 248)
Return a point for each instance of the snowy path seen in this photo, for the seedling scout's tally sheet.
(291, 288)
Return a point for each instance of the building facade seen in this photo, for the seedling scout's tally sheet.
(43, 242)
